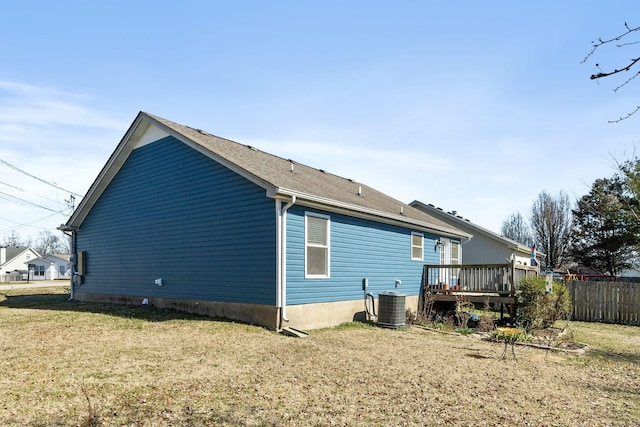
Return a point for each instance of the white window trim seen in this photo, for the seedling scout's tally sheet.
(328, 247)
(414, 233)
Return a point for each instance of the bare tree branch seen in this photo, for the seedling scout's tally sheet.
(627, 81)
(600, 42)
(628, 43)
(633, 62)
(627, 68)
(625, 117)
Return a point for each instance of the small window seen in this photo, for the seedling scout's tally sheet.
(316, 246)
(417, 246)
(455, 253)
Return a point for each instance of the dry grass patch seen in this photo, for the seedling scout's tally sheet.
(65, 363)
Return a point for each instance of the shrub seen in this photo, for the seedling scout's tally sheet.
(536, 308)
(463, 310)
(411, 317)
(487, 320)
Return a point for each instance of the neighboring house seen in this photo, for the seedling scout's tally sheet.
(486, 247)
(50, 267)
(181, 218)
(631, 272)
(14, 262)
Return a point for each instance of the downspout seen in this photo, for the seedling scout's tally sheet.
(278, 259)
(72, 237)
(282, 288)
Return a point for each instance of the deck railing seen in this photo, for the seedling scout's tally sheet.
(499, 279)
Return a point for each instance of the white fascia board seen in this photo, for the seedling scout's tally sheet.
(335, 206)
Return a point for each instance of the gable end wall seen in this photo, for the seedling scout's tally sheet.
(175, 214)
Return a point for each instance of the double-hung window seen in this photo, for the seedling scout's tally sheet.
(38, 270)
(417, 246)
(317, 245)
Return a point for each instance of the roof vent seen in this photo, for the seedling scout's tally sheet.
(359, 190)
(291, 167)
(322, 170)
(401, 210)
(454, 213)
(252, 148)
(200, 131)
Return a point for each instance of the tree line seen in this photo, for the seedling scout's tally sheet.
(46, 243)
(599, 234)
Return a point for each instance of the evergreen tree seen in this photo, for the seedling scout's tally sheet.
(604, 233)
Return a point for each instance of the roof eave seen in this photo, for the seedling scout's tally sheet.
(511, 244)
(335, 206)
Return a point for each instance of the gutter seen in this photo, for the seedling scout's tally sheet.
(368, 213)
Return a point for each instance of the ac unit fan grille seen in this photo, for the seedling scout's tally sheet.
(391, 310)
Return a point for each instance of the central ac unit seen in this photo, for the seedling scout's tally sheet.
(391, 311)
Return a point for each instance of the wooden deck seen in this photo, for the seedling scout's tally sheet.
(475, 297)
(478, 283)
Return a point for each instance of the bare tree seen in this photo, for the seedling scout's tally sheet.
(65, 244)
(622, 40)
(551, 222)
(14, 239)
(49, 243)
(516, 228)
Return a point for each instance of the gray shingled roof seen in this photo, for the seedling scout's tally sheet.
(465, 223)
(14, 251)
(277, 174)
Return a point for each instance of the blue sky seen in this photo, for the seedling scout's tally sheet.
(471, 106)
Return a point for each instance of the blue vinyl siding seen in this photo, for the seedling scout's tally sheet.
(173, 213)
(359, 249)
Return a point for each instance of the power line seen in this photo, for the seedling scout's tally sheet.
(52, 184)
(9, 197)
(28, 224)
(35, 194)
(12, 186)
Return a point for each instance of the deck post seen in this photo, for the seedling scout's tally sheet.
(512, 278)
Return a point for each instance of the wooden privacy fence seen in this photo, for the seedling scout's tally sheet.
(606, 302)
